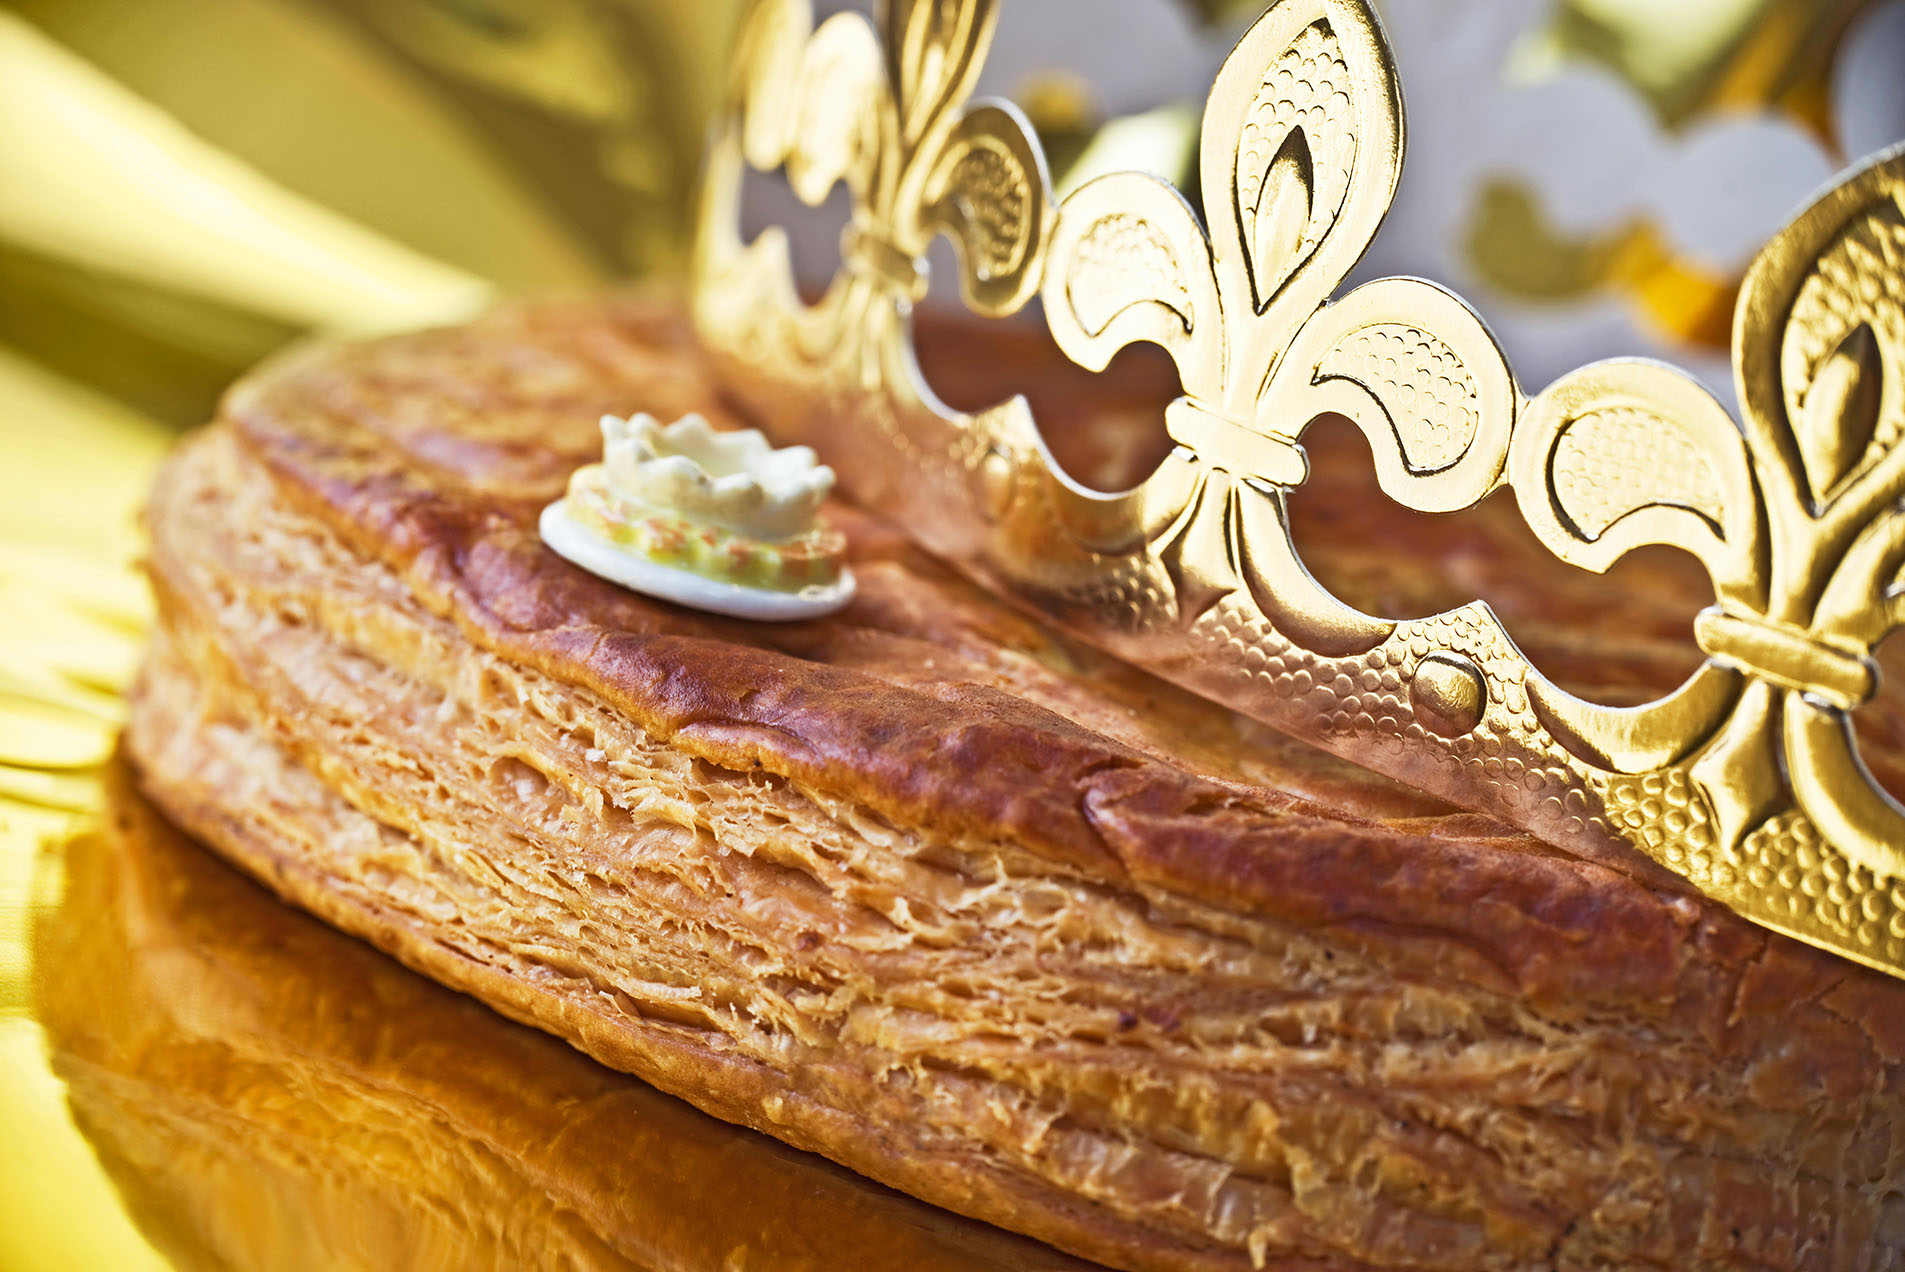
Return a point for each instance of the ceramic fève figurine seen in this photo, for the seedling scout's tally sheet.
(715, 521)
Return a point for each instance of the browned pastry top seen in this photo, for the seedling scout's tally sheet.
(929, 702)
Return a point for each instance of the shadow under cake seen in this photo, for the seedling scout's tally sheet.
(970, 909)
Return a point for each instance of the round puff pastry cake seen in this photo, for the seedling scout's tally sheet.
(968, 909)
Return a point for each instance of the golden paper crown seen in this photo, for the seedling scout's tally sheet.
(1745, 780)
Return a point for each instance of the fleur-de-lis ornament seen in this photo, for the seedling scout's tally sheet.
(887, 116)
(1300, 152)
(1796, 517)
(1744, 780)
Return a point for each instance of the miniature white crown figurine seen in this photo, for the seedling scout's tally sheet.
(716, 521)
(1745, 780)
(735, 479)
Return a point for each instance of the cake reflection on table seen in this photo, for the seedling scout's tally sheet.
(267, 1093)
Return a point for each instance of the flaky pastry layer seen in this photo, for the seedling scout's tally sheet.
(267, 1093)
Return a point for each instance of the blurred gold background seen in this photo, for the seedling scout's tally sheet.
(188, 185)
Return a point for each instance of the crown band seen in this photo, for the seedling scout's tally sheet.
(865, 250)
(1259, 453)
(1789, 656)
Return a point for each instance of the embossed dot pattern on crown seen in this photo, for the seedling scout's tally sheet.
(1132, 243)
(1417, 378)
(1810, 888)
(1307, 88)
(1847, 290)
(1612, 460)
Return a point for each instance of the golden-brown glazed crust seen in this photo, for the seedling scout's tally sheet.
(969, 909)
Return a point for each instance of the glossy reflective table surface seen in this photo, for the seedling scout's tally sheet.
(194, 1075)
(73, 467)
